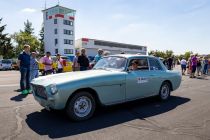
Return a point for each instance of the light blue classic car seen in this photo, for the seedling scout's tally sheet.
(114, 79)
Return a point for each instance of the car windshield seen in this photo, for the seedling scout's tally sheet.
(111, 62)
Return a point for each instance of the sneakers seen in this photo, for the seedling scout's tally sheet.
(24, 92)
(29, 91)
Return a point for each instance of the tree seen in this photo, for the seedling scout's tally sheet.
(169, 53)
(28, 27)
(187, 55)
(26, 37)
(6, 48)
(165, 55)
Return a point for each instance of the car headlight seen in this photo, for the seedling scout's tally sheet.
(54, 89)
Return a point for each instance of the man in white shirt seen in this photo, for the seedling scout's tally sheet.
(60, 64)
(183, 65)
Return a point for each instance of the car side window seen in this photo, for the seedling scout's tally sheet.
(154, 64)
(142, 64)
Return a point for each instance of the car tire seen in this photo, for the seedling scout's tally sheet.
(165, 91)
(81, 106)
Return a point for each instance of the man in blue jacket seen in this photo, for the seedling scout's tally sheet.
(24, 65)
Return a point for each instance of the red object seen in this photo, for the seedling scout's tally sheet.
(85, 39)
(50, 17)
(72, 18)
(59, 15)
(64, 62)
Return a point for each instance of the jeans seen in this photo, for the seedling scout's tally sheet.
(24, 78)
(83, 68)
(34, 74)
(205, 69)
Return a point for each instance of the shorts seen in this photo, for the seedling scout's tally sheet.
(183, 67)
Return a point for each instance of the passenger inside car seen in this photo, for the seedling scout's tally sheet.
(138, 64)
(134, 65)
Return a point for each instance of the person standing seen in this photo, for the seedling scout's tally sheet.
(199, 67)
(194, 65)
(60, 63)
(24, 65)
(98, 56)
(183, 63)
(106, 53)
(75, 65)
(34, 68)
(205, 66)
(83, 61)
(48, 62)
(170, 63)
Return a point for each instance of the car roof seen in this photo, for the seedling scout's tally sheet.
(131, 55)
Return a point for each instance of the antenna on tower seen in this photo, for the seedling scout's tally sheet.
(58, 2)
(45, 5)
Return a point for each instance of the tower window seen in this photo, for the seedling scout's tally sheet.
(68, 51)
(55, 21)
(68, 22)
(56, 41)
(67, 41)
(56, 31)
(56, 51)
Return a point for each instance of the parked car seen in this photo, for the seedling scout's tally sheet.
(111, 81)
(5, 64)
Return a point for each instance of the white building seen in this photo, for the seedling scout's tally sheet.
(92, 46)
(59, 34)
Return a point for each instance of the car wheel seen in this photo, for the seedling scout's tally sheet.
(81, 106)
(165, 91)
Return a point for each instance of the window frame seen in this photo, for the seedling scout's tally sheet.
(157, 61)
(138, 58)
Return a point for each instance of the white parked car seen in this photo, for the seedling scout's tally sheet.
(5, 64)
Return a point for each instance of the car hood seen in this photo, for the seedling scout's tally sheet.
(74, 76)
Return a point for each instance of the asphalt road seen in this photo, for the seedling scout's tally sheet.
(185, 116)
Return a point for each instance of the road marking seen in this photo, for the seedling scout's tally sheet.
(10, 85)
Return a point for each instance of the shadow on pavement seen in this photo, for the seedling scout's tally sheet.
(57, 125)
(19, 97)
(17, 90)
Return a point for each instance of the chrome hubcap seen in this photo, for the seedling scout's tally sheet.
(165, 92)
(82, 106)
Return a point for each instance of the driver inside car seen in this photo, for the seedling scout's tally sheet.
(134, 65)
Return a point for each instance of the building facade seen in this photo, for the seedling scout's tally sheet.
(92, 46)
(59, 30)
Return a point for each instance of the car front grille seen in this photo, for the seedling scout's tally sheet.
(40, 91)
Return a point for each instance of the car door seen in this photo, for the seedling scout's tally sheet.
(138, 83)
(156, 75)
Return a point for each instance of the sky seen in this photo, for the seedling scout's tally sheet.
(178, 25)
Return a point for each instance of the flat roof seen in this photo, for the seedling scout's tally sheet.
(60, 7)
(115, 44)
